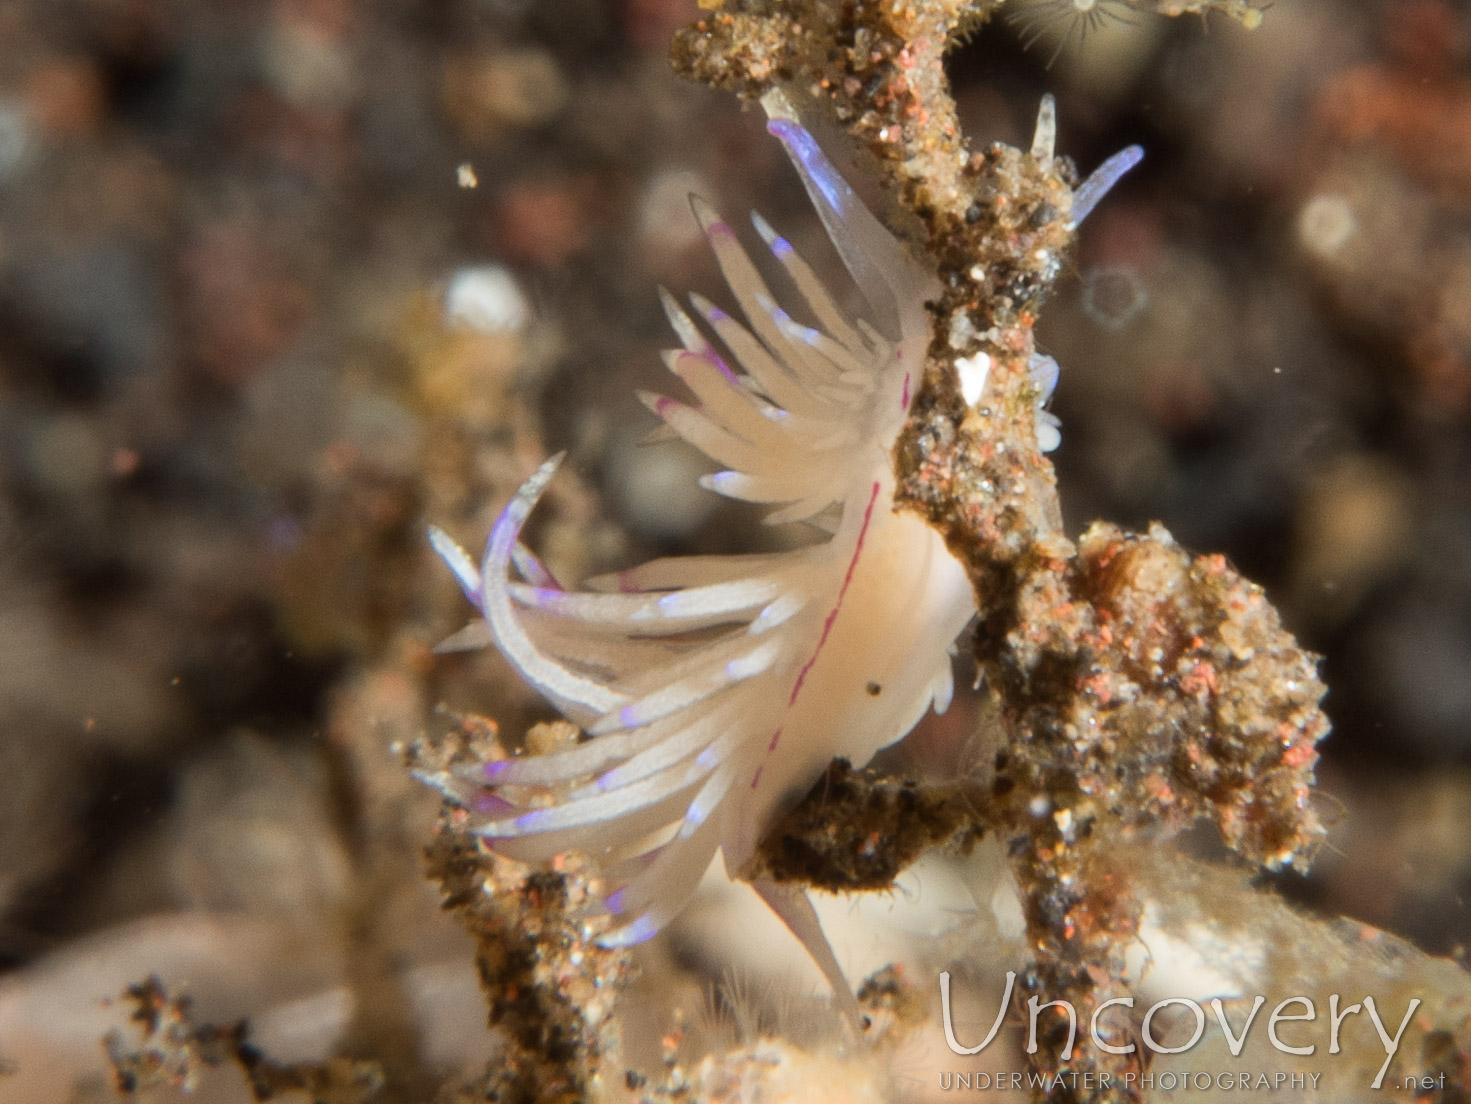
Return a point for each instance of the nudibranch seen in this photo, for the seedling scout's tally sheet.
(714, 690)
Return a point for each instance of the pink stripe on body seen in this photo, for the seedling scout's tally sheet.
(827, 625)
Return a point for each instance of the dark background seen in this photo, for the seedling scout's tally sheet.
(229, 401)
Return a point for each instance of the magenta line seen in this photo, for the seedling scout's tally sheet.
(775, 739)
(827, 626)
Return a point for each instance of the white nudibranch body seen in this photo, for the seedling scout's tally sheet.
(716, 689)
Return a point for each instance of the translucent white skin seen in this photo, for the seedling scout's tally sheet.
(716, 689)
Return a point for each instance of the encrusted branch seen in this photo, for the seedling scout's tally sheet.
(174, 1051)
(549, 986)
(1140, 688)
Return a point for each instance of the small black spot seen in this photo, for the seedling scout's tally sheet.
(973, 213)
(634, 1080)
(874, 689)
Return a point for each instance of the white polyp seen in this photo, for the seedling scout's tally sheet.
(1045, 373)
(973, 372)
(1049, 431)
(1044, 140)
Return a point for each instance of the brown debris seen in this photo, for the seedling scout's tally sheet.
(549, 986)
(175, 1052)
(856, 831)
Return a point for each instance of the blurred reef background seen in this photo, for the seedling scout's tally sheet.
(281, 282)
